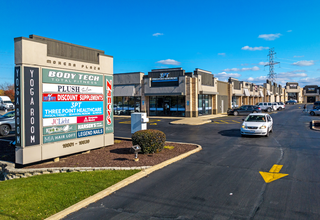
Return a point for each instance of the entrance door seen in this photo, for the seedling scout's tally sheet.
(222, 110)
(166, 106)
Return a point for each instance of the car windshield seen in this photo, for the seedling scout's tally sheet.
(8, 115)
(256, 118)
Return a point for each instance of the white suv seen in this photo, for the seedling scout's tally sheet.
(281, 106)
(266, 106)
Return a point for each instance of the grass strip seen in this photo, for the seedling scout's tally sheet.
(39, 197)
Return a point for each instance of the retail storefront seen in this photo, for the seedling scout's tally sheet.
(204, 104)
(167, 106)
(127, 93)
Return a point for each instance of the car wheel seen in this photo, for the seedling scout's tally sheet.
(269, 110)
(242, 135)
(236, 113)
(312, 113)
(4, 130)
(267, 135)
(280, 109)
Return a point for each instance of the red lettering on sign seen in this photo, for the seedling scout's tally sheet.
(47, 97)
(93, 118)
(109, 101)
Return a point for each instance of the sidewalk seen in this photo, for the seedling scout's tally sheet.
(187, 121)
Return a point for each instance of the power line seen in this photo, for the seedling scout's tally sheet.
(272, 74)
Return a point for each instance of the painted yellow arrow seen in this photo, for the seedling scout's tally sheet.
(273, 174)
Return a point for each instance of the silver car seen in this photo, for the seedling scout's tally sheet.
(315, 111)
(7, 123)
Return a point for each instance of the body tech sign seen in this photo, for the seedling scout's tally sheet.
(73, 78)
(109, 103)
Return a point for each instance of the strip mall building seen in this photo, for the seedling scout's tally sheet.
(175, 92)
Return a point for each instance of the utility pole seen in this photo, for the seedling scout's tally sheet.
(272, 74)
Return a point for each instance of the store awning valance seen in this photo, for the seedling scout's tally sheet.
(261, 94)
(246, 92)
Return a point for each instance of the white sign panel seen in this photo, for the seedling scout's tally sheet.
(59, 121)
(57, 88)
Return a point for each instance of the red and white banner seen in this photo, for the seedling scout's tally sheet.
(48, 97)
(109, 101)
(93, 118)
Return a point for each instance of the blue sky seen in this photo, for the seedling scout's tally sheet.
(228, 38)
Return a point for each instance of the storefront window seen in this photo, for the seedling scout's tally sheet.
(181, 106)
(126, 105)
(152, 105)
(205, 104)
(167, 105)
(235, 102)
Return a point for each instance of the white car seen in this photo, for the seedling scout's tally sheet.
(257, 124)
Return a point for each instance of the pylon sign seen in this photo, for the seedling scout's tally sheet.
(63, 106)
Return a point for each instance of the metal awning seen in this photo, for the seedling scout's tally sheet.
(261, 94)
(246, 92)
(268, 92)
(209, 93)
(127, 90)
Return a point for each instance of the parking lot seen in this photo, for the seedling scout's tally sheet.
(223, 180)
(224, 177)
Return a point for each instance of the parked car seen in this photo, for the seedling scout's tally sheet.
(257, 124)
(315, 111)
(316, 104)
(266, 106)
(7, 123)
(291, 102)
(275, 106)
(281, 106)
(244, 110)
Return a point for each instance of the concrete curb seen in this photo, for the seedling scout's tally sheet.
(313, 123)
(121, 184)
(197, 121)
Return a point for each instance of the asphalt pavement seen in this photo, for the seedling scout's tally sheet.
(223, 181)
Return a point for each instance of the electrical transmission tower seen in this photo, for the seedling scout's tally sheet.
(272, 74)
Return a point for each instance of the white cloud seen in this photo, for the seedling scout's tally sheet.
(304, 63)
(255, 68)
(269, 36)
(169, 62)
(254, 48)
(309, 81)
(157, 34)
(224, 75)
(289, 31)
(257, 80)
(291, 74)
(221, 54)
(281, 78)
(263, 63)
(298, 56)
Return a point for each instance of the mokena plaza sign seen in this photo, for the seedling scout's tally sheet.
(61, 111)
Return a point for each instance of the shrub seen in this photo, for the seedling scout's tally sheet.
(150, 140)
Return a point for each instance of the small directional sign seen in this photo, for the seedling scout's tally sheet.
(273, 174)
